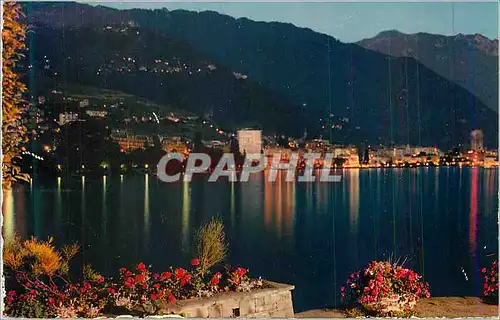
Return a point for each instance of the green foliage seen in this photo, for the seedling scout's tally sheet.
(30, 309)
(211, 244)
(89, 274)
(13, 131)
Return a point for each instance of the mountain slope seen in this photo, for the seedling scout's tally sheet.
(164, 70)
(364, 95)
(469, 60)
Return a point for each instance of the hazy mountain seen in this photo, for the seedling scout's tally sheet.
(469, 60)
(364, 95)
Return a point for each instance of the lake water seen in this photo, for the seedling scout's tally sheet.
(311, 235)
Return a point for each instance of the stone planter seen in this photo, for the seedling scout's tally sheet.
(269, 302)
(395, 304)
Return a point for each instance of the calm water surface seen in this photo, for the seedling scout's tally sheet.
(312, 235)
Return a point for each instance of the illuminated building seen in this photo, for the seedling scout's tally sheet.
(250, 141)
(67, 117)
(96, 113)
(477, 140)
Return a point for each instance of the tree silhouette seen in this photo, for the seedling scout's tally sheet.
(13, 132)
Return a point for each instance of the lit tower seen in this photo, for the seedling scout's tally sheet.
(477, 140)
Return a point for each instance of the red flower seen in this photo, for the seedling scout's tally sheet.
(185, 279)
(165, 275)
(129, 282)
(241, 271)
(483, 270)
(154, 297)
(156, 275)
(33, 292)
(180, 273)
(83, 290)
(100, 279)
(156, 286)
(195, 262)
(215, 280)
(140, 278)
(123, 270)
(171, 298)
(111, 291)
(141, 267)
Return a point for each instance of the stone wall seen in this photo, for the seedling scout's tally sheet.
(269, 302)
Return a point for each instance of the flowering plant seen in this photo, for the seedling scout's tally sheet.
(68, 300)
(39, 273)
(40, 287)
(491, 282)
(383, 288)
(141, 288)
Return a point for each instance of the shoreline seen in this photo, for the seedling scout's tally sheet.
(449, 307)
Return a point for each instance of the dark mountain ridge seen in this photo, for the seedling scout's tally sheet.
(469, 60)
(357, 95)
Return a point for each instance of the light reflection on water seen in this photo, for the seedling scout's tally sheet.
(309, 234)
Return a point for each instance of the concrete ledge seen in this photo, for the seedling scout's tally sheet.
(275, 301)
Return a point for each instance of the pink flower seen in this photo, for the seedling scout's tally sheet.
(111, 291)
(156, 275)
(141, 267)
(483, 270)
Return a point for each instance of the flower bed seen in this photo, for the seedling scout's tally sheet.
(138, 291)
(384, 289)
(491, 283)
(39, 285)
